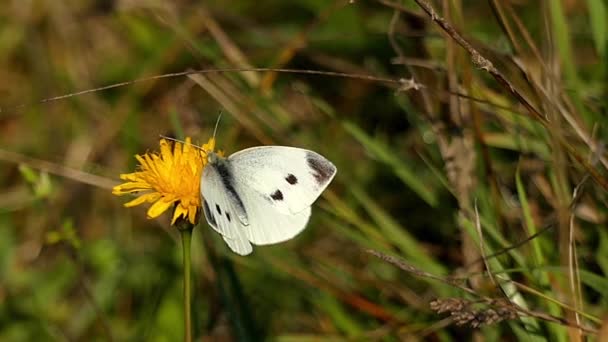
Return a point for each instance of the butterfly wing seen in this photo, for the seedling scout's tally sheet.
(223, 208)
(290, 178)
(267, 225)
(263, 194)
(239, 245)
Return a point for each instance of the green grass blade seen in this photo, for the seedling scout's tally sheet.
(529, 223)
(396, 233)
(561, 34)
(531, 325)
(599, 28)
(384, 154)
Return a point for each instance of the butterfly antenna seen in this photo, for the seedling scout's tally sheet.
(217, 123)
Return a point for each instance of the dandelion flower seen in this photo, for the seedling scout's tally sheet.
(169, 178)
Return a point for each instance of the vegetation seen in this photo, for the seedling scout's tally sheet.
(469, 136)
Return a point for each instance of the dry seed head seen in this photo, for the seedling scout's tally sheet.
(463, 313)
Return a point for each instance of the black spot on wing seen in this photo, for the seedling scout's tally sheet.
(219, 210)
(277, 195)
(209, 214)
(320, 167)
(291, 179)
(228, 216)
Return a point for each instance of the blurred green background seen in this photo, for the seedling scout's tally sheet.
(440, 175)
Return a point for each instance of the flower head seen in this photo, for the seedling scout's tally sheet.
(171, 177)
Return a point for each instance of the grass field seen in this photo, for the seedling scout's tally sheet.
(470, 140)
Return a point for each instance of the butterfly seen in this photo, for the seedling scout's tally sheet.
(262, 195)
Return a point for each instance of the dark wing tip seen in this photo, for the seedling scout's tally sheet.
(322, 169)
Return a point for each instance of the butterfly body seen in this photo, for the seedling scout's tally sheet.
(262, 195)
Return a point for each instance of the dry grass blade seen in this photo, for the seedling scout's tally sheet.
(602, 334)
(485, 64)
(58, 169)
(469, 317)
(479, 60)
(232, 52)
(395, 82)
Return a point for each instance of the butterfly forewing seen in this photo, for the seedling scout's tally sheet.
(288, 177)
(223, 212)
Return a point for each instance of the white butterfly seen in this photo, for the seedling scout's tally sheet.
(262, 195)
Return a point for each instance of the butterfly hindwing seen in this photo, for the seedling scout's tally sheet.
(267, 224)
(239, 245)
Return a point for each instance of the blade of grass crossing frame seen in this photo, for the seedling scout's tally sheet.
(530, 324)
(541, 276)
(561, 34)
(493, 232)
(531, 227)
(340, 317)
(356, 236)
(508, 142)
(599, 27)
(350, 216)
(406, 243)
(384, 154)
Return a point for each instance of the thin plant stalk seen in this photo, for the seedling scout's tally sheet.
(186, 234)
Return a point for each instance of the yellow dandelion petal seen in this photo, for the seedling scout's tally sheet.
(142, 161)
(165, 152)
(130, 187)
(179, 212)
(209, 146)
(159, 207)
(153, 162)
(149, 197)
(192, 214)
(169, 177)
(187, 146)
(191, 149)
(179, 148)
(130, 176)
(184, 211)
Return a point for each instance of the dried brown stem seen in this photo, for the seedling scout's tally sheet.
(488, 300)
(58, 169)
(483, 63)
(478, 59)
(208, 71)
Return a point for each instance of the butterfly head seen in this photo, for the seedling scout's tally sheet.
(212, 157)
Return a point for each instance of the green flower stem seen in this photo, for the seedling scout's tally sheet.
(185, 230)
